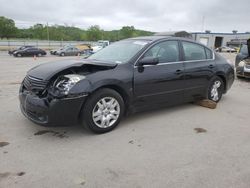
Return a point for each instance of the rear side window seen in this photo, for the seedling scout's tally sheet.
(193, 51)
(167, 51)
(243, 49)
(209, 53)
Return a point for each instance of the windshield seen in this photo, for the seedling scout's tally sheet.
(119, 52)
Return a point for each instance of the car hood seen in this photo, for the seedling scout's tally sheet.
(47, 70)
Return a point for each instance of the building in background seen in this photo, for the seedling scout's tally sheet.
(212, 40)
(215, 40)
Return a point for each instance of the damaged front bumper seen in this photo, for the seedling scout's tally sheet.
(51, 111)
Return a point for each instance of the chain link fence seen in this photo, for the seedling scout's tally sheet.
(44, 44)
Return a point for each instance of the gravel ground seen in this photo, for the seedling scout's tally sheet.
(161, 148)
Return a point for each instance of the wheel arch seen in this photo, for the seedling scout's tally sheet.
(120, 90)
(223, 78)
(125, 96)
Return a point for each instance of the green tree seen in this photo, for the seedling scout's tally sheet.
(40, 31)
(94, 33)
(66, 33)
(7, 28)
(127, 32)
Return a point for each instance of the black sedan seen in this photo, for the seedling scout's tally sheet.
(242, 61)
(10, 52)
(127, 76)
(29, 52)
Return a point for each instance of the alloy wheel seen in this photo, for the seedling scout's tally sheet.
(215, 90)
(106, 112)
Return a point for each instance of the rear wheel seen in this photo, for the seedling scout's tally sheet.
(19, 55)
(215, 89)
(62, 54)
(39, 54)
(103, 111)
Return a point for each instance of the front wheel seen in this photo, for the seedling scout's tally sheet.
(215, 89)
(103, 111)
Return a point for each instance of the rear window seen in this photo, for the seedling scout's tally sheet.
(193, 51)
(244, 50)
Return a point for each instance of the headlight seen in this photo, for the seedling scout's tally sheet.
(242, 64)
(63, 84)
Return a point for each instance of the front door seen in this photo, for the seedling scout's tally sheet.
(161, 83)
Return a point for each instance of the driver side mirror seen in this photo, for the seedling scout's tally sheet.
(148, 61)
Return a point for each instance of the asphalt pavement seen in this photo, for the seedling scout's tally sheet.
(185, 146)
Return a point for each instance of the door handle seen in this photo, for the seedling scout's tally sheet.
(211, 66)
(178, 72)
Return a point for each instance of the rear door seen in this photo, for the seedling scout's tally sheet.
(162, 83)
(199, 68)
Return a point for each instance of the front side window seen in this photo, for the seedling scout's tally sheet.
(193, 51)
(167, 51)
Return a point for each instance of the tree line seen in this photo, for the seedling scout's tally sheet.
(9, 30)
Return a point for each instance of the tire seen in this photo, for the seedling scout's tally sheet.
(215, 89)
(18, 55)
(99, 120)
(62, 54)
(39, 54)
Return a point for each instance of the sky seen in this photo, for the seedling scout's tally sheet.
(151, 15)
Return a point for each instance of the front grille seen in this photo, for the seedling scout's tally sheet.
(34, 84)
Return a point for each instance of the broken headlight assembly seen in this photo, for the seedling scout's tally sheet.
(63, 84)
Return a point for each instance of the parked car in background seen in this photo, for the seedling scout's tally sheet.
(226, 49)
(31, 51)
(20, 48)
(55, 51)
(100, 45)
(242, 61)
(69, 51)
(129, 75)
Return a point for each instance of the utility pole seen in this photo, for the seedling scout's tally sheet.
(48, 33)
(202, 23)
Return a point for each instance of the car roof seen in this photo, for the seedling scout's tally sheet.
(156, 38)
(159, 38)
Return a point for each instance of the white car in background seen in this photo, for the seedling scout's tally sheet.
(225, 49)
(100, 45)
